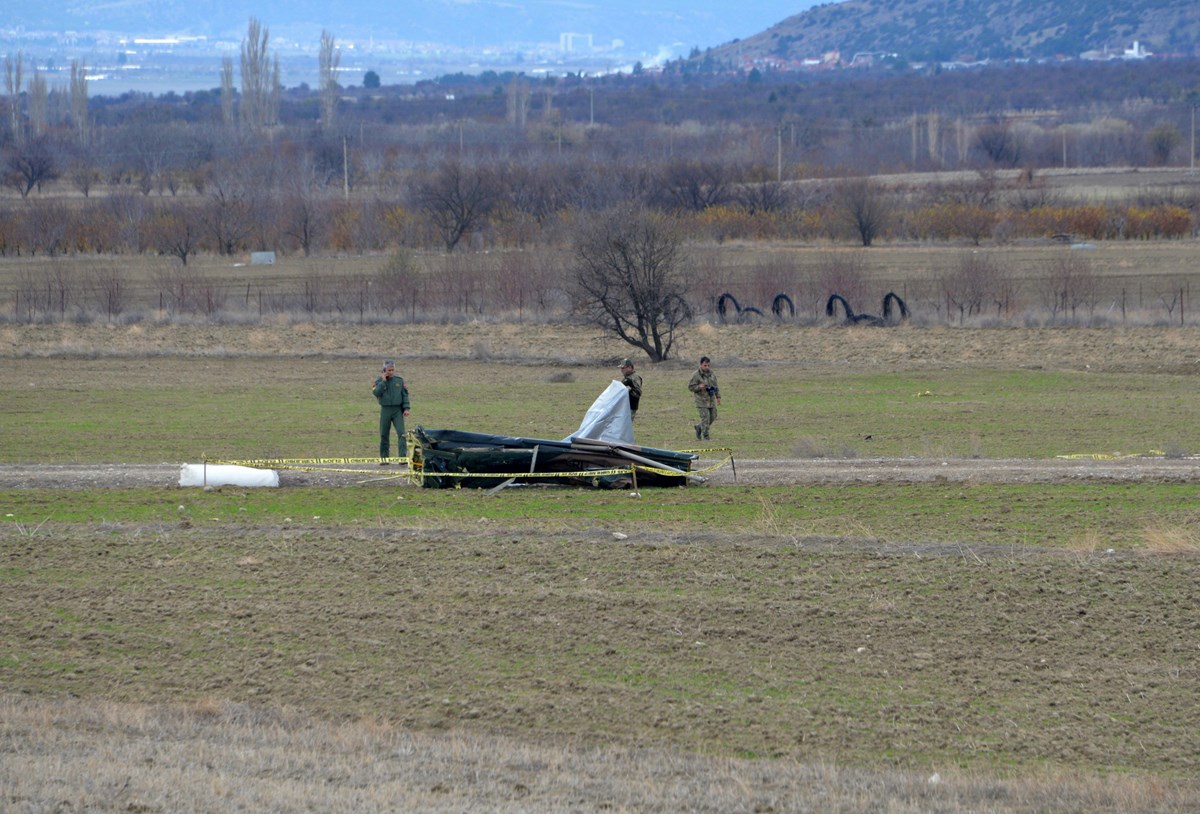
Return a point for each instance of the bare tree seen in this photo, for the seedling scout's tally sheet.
(695, 185)
(457, 198)
(300, 210)
(328, 62)
(763, 196)
(227, 92)
(229, 213)
(629, 278)
(999, 143)
(38, 104)
(864, 207)
(79, 101)
(13, 70)
(516, 97)
(128, 213)
(30, 164)
(174, 233)
(260, 79)
(968, 284)
(1163, 140)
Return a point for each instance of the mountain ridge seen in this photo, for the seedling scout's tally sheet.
(947, 30)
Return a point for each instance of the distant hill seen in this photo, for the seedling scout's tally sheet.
(945, 30)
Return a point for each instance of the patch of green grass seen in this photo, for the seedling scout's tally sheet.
(170, 409)
(1059, 515)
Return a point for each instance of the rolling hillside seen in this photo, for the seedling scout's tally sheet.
(944, 30)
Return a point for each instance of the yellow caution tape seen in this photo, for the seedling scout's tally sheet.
(275, 463)
(1101, 456)
(583, 473)
(417, 472)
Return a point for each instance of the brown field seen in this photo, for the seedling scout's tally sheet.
(544, 665)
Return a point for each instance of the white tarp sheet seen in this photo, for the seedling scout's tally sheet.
(609, 418)
(226, 475)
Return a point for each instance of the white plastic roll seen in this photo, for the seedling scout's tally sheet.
(226, 475)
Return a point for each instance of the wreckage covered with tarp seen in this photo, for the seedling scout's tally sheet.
(600, 453)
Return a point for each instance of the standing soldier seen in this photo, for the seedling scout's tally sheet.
(633, 383)
(392, 396)
(707, 394)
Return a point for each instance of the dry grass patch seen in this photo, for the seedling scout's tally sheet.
(214, 755)
(1163, 539)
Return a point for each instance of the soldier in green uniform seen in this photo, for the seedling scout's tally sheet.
(392, 396)
(707, 394)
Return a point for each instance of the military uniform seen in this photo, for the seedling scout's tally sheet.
(703, 385)
(392, 396)
(633, 383)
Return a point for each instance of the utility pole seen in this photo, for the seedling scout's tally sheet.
(591, 106)
(345, 170)
(1192, 166)
(779, 154)
(914, 141)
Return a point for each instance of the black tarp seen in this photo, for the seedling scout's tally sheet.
(472, 456)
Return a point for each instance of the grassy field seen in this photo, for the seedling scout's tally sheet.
(137, 396)
(1135, 282)
(766, 413)
(816, 647)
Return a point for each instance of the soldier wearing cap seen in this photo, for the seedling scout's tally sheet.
(707, 396)
(633, 383)
(392, 395)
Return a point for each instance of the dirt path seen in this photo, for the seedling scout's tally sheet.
(762, 472)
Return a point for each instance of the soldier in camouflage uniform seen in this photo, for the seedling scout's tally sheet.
(707, 395)
(633, 383)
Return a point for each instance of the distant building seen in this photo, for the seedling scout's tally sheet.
(1136, 51)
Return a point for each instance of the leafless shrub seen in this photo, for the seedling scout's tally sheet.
(980, 191)
(1175, 450)
(1037, 196)
(460, 284)
(770, 277)
(316, 288)
(975, 280)
(708, 278)
(187, 290)
(514, 284)
(1068, 284)
(398, 285)
(46, 293)
(108, 290)
(843, 273)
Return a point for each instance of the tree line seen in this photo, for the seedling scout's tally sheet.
(547, 165)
